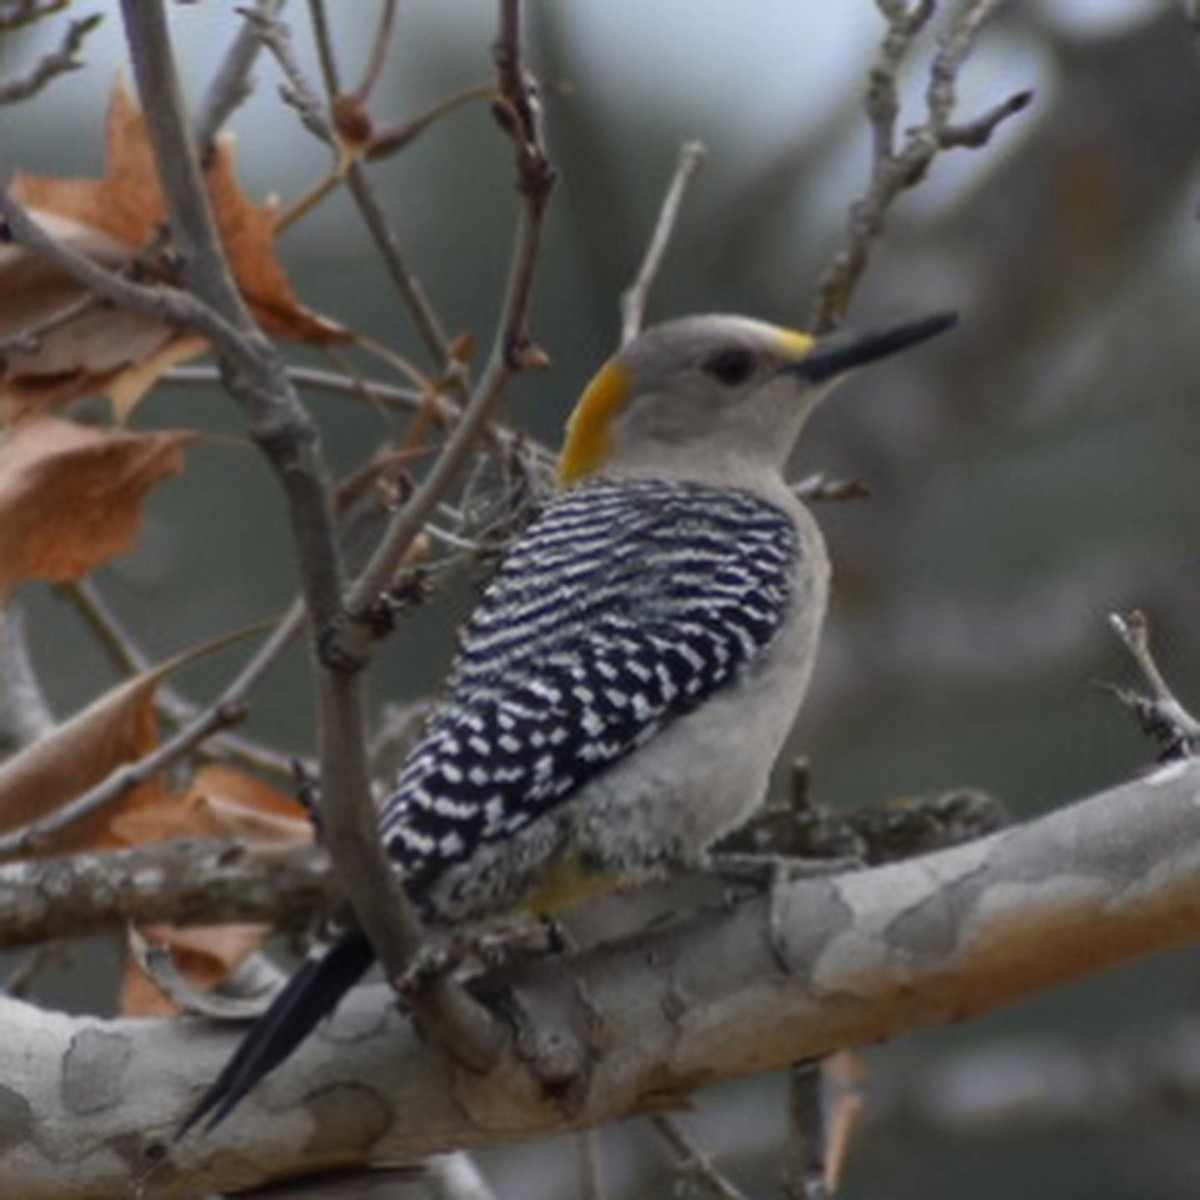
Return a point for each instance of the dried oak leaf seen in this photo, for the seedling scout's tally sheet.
(117, 728)
(84, 347)
(205, 956)
(71, 495)
(221, 802)
(113, 219)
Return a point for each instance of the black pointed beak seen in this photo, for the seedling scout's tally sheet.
(841, 352)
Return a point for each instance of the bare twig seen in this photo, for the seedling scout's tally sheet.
(692, 1163)
(183, 882)
(591, 1176)
(169, 305)
(633, 301)
(512, 349)
(894, 168)
(408, 399)
(425, 319)
(28, 339)
(803, 1176)
(391, 140)
(127, 656)
(41, 958)
(380, 45)
(18, 14)
(296, 92)
(25, 714)
(58, 62)
(1160, 714)
(231, 85)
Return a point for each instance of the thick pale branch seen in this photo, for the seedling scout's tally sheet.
(631, 1027)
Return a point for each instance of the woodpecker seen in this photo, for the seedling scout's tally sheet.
(629, 676)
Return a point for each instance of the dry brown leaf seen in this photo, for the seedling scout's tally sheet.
(112, 219)
(71, 495)
(221, 802)
(205, 955)
(72, 347)
(118, 727)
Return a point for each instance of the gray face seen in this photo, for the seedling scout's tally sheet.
(713, 386)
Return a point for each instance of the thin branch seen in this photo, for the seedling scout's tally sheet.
(169, 305)
(185, 882)
(591, 1174)
(804, 1153)
(24, 975)
(380, 45)
(633, 302)
(387, 244)
(227, 710)
(232, 85)
(127, 656)
(326, 55)
(895, 169)
(408, 399)
(391, 140)
(20, 14)
(25, 714)
(512, 349)
(296, 92)
(58, 62)
(425, 319)
(1160, 714)
(692, 1163)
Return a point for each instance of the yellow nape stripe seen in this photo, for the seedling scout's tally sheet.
(796, 345)
(589, 431)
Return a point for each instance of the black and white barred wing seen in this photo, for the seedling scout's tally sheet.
(622, 608)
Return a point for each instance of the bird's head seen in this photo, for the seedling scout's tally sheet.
(719, 394)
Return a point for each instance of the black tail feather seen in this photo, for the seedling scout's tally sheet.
(309, 995)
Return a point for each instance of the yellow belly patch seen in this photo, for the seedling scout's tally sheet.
(568, 883)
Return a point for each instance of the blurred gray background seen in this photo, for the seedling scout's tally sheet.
(1029, 474)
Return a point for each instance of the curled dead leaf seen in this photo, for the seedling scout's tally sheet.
(113, 219)
(71, 495)
(204, 956)
(221, 802)
(57, 343)
(118, 727)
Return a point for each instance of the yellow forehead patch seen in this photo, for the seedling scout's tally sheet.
(589, 431)
(796, 345)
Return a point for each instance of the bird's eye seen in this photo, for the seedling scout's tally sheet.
(731, 367)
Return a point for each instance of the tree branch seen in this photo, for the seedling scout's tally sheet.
(630, 1027)
(896, 169)
(633, 301)
(184, 882)
(58, 62)
(518, 111)
(231, 85)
